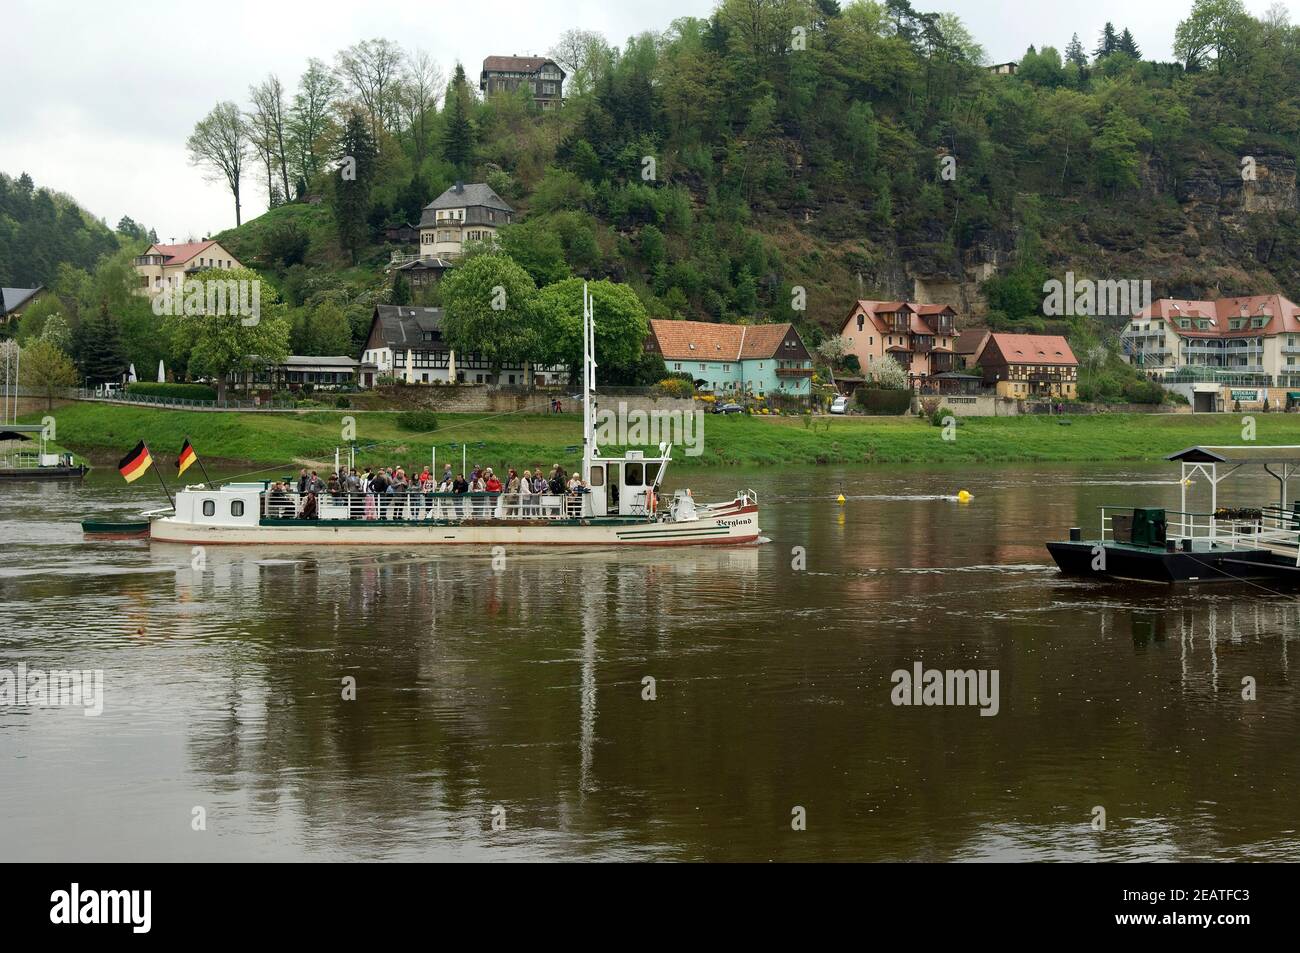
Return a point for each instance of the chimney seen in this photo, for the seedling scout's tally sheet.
(459, 187)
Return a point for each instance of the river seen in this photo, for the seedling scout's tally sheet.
(502, 708)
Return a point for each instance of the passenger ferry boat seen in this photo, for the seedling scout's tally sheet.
(1222, 544)
(620, 506)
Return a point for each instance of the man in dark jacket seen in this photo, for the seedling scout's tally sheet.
(379, 486)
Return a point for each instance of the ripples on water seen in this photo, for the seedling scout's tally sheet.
(520, 687)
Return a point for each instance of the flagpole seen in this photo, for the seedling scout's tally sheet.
(158, 470)
(199, 460)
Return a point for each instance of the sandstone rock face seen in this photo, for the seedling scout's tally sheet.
(1273, 188)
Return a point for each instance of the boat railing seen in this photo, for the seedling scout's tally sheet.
(1260, 528)
(417, 506)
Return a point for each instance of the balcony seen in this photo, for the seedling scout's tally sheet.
(794, 372)
(146, 260)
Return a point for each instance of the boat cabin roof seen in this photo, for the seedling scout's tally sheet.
(1249, 454)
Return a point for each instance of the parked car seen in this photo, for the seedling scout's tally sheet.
(840, 404)
(728, 409)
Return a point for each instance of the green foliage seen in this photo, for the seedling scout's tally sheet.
(418, 421)
(621, 324)
(877, 400)
(675, 387)
(487, 303)
(47, 369)
(175, 390)
(40, 230)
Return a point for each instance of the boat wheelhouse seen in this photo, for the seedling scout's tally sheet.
(618, 504)
(1222, 543)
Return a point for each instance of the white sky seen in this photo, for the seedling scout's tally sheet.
(97, 98)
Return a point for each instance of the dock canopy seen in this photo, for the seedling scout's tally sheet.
(1237, 455)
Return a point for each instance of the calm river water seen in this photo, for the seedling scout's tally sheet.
(516, 692)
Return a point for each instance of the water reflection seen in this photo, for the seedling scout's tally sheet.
(519, 685)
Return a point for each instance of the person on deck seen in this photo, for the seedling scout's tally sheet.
(308, 511)
(460, 487)
(378, 491)
(303, 480)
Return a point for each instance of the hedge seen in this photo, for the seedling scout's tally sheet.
(183, 391)
(418, 421)
(875, 400)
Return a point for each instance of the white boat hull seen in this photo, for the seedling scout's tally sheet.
(726, 525)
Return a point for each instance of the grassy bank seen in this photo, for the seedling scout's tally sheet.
(103, 432)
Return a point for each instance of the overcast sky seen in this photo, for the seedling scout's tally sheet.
(98, 97)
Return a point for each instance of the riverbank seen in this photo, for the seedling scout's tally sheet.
(103, 432)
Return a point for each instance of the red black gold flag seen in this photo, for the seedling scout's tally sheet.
(186, 459)
(134, 464)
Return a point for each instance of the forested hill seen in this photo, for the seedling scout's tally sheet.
(41, 229)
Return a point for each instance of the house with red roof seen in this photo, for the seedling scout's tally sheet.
(759, 359)
(1252, 340)
(920, 337)
(164, 266)
(1024, 366)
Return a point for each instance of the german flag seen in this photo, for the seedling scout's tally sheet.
(133, 465)
(186, 459)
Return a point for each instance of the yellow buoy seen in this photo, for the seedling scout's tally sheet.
(963, 496)
(840, 499)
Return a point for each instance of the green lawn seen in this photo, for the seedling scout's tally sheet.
(103, 432)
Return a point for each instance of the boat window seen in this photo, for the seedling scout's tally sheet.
(209, 507)
(633, 474)
(236, 507)
(597, 476)
(652, 473)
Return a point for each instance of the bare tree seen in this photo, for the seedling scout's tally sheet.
(310, 118)
(267, 123)
(418, 94)
(372, 69)
(219, 145)
(583, 54)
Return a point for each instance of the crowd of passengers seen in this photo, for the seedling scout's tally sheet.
(390, 493)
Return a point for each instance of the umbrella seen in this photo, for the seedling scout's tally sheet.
(162, 375)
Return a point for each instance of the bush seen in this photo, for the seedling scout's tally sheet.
(176, 391)
(941, 414)
(875, 400)
(342, 402)
(418, 421)
(675, 387)
(1144, 392)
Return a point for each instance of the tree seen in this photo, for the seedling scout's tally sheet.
(621, 325)
(327, 331)
(58, 332)
(310, 119)
(537, 247)
(401, 290)
(1214, 32)
(584, 55)
(1126, 44)
(372, 69)
(458, 131)
(350, 195)
(417, 95)
(267, 124)
(888, 374)
(222, 345)
(98, 347)
(48, 370)
(831, 350)
(1108, 42)
(219, 145)
(487, 310)
(1075, 54)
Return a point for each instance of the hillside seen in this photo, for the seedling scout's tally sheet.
(41, 229)
(716, 169)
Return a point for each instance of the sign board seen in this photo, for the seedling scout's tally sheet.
(1243, 395)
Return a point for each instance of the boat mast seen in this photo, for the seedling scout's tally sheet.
(590, 451)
